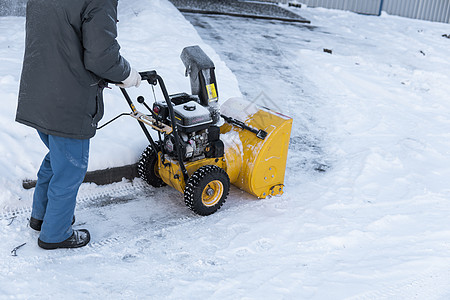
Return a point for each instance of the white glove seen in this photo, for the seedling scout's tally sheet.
(134, 79)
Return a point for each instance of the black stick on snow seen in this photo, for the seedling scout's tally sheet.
(13, 251)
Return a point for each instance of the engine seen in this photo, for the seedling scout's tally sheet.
(199, 136)
(196, 115)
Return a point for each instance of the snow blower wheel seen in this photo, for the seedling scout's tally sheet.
(148, 167)
(206, 190)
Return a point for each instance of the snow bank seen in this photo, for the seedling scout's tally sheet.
(152, 35)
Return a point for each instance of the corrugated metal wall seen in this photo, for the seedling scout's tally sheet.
(432, 10)
(371, 7)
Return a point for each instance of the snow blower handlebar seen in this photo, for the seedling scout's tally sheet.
(150, 76)
(153, 78)
(134, 111)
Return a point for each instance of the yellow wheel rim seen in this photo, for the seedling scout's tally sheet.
(212, 193)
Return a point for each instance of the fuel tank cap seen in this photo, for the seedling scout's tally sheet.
(189, 107)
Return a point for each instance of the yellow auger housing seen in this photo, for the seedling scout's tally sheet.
(256, 165)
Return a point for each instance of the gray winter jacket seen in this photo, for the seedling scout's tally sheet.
(70, 47)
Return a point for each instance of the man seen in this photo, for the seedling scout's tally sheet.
(70, 49)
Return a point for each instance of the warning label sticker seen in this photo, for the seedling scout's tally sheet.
(212, 93)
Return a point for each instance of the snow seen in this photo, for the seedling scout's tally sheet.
(366, 203)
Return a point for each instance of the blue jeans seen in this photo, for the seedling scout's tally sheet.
(61, 173)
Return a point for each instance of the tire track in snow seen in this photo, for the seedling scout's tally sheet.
(156, 229)
(95, 246)
(99, 198)
(11, 213)
(89, 196)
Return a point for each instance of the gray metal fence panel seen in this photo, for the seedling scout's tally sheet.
(432, 10)
(371, 7)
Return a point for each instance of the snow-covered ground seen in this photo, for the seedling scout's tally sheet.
(374, 115)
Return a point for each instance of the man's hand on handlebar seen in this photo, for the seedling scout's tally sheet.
(134, 79)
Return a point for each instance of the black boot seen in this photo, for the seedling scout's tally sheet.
(37, 224)
(79, 238)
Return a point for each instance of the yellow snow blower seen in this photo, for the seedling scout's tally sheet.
(200, 158)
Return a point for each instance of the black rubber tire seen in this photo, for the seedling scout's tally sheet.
(147, 167)
(206, 179)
